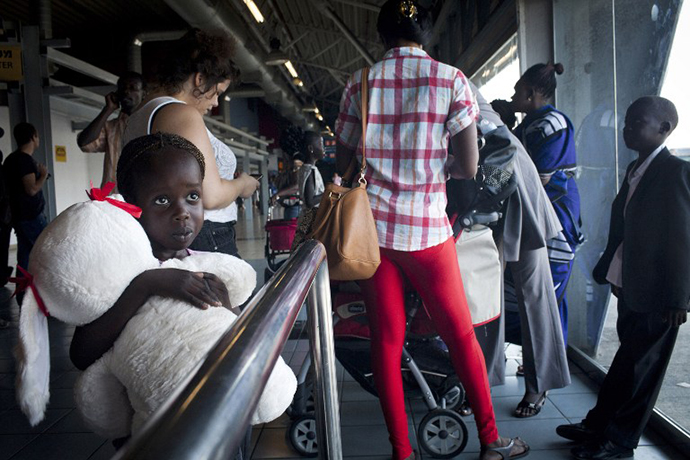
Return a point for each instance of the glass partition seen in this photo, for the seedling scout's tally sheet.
(615, 51)
(496, 78)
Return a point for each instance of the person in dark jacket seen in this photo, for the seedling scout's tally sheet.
(647, 264)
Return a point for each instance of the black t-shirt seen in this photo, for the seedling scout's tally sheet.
(24, 207)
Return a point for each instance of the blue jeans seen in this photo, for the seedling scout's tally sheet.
(27, 233)
(292, 212)
(216, 237)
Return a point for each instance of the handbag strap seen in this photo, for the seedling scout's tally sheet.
(365, 108)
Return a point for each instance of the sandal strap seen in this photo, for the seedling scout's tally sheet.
(504, 451)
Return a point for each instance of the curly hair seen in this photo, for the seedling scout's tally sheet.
(135, 161)
(295, 142)
(404, 19)
(206, 52)
(292, 142)
(542, 77)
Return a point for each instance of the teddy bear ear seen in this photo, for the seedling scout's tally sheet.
(33, 360)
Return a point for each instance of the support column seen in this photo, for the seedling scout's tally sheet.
(37, 107)
(263, 190)
(248, 202)
(535, 32)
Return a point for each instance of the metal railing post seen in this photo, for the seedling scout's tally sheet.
(320, 323)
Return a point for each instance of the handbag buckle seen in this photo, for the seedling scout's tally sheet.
(362, 180)
(334, 194)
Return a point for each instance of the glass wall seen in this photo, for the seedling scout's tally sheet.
(496, 78)
(615, 51)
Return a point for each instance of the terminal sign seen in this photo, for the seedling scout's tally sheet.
(10, 63)
(61, 153)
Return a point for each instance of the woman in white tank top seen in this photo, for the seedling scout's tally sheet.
(191, 79)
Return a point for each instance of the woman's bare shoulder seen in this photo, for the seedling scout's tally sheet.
(176, 115)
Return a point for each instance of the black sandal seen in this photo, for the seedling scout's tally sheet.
(535, 407)
(504, 452)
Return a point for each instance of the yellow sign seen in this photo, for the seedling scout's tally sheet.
(10, 63)
(61, 153)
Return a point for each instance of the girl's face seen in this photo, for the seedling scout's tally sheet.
(172, 210)
(523, 98)
(316, 149)
(208, 100)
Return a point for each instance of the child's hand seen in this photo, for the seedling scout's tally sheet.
(199, 289)
(675, 317)
(218, 288)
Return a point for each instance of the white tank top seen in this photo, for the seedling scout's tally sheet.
(140, 124)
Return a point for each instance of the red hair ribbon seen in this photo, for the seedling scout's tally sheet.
(101, 194)
(27, 281)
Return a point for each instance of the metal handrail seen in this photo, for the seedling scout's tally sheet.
(206, 418)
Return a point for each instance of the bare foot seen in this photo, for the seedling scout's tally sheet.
(505, 448)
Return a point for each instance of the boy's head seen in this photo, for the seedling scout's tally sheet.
(163, 174)
(648, 122)
(25, 133)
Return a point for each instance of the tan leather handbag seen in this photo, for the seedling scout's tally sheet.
(344, 222)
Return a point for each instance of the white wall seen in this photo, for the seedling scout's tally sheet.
(73, 176)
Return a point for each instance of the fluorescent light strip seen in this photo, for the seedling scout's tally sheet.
(291, 69)
(256, 12)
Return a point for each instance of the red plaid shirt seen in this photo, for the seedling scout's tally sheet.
(415, 105)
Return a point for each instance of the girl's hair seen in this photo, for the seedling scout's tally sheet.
(542, 77)
(295, 142)
(136, 159)
(404, 19)
(206, 52)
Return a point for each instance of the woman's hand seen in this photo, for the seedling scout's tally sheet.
(247, 185)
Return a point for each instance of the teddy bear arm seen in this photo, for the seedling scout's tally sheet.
(102, 400)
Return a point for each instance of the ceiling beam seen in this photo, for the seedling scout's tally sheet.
(361, 5)
(312, 28)
(448, 8)
(294, 42)
(326, 49)
(320, 66)
(328, 11)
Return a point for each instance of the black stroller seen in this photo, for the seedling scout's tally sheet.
(426, 369)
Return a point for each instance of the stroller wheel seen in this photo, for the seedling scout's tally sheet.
(442, 433)
(302, 436)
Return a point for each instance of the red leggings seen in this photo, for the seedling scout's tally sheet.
(435, 275)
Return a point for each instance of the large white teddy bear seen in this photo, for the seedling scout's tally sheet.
(81, 264)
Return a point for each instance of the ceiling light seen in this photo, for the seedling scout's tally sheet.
(310, 109)
(227, 98)
(137, 42)
(297, 82)
(275, 57)
(319, 117)
(256, 12)
(291, 69)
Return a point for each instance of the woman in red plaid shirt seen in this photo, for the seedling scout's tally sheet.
(417, 106)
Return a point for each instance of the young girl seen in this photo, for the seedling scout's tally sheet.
(162, 174)
(549, 138)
